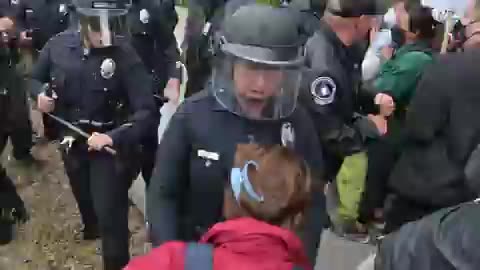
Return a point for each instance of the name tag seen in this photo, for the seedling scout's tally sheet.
(208, 155)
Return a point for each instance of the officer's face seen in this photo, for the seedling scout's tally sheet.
(98, 40)
(254, 82)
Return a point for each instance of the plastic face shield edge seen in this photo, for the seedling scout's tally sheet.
(100, 26)
(257, 83)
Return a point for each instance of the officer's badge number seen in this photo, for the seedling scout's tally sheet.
(62, 9)
(323, 90)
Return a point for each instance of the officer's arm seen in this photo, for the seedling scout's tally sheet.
(168, 23)
(315, 216)
(337, 135)
(138, 85)
(311, 147)
(173, 58)
(196, 18)
(169, 180)
(428, 110)
(40, 72)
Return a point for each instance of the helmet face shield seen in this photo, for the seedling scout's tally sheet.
(254, 90)
(100, 24)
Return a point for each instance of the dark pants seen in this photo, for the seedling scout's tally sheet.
(316, 219)
(382, 156)
(150, 142)
(50, 128)
(400, 211)
(9, 200)
(100, 184)
(19, 117)
(149, 152)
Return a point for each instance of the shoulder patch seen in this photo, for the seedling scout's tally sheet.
(323, 90)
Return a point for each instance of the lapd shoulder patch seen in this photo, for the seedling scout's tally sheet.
(323, 90)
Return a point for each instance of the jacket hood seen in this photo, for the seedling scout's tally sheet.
(257, 240)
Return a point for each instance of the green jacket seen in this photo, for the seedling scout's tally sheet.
(399, 77)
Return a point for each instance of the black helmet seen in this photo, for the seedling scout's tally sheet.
(257, 74)
(356, 8)
(263, 34)
(102, 20)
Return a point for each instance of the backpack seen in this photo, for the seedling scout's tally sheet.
(200, 257)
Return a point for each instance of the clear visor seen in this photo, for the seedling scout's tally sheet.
(100, 27)
(256, 91)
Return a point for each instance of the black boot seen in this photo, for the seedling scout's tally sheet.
(12, 208)
(91, 233)
(114, 263)
(6, 231)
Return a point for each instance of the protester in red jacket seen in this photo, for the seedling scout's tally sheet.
(263, 204)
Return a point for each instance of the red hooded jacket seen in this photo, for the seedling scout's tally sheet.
(239, 244)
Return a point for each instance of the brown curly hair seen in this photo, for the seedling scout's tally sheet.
(282, 178)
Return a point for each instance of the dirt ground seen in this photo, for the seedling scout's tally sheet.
(50, 240)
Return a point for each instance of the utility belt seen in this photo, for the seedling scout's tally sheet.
(91, 126)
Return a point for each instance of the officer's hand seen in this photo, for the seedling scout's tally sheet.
(25, 40)
(6, 24)
(380, 122)
(172, 90)
(98, 141)
(45, 104)
(386, 104)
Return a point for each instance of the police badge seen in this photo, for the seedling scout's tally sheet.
(107, 69)
(62, 9)
(144, 16)
(288, 135)
(323, 90)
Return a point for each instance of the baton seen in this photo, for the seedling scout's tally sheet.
(79, 131)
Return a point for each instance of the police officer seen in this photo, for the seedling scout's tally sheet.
(203, 21)
(152, 24)
(12, 208)
(251, 98)
(20, 128)
(331, 83)
(37, 21)
(96, 78)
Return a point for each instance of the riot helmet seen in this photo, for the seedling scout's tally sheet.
(357, 8)
(257, 71)
(101, 21)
